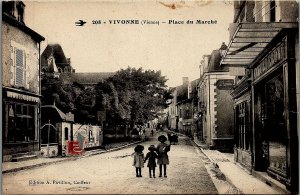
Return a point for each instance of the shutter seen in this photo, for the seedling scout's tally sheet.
(19, 67)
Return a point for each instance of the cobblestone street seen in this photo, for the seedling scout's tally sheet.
(113, 173)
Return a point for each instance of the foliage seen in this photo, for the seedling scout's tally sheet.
(132, 95)
(69, 97)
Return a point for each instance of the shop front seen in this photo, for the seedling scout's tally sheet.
(274, 105)
(243, 147)
(20, 124)
(266, 136)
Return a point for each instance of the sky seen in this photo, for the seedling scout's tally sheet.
(175, 49)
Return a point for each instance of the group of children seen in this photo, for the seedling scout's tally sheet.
(160, 153)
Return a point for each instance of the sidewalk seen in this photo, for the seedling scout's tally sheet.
(9, 167)
(236, 175)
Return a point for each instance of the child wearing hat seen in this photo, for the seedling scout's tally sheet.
(138, 160)
(152, 156)
(163, 158)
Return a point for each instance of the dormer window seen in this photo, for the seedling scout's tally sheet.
(9, 7)
(15, 9)
(20, 8)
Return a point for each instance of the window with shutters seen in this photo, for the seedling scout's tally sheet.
(20, 67)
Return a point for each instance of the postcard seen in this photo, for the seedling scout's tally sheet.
(150, 97)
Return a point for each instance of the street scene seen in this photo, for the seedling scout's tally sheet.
(141, 97)
(113, 173)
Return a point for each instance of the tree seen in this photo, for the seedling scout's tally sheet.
(53, 90)
(70, 97)
(132, 95)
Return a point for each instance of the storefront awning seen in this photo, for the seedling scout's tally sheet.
(22, 97)
(249, 40)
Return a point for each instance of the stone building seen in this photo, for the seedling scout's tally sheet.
(21, 88)
(215, 103)
(183, 107)
(172, 111)
(264, 40)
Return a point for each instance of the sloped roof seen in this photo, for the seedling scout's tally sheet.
(86, 78)
(53, 111)
(58, 54)
(214, 62)
(12, 21)
(182, 91)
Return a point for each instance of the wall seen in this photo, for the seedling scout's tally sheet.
(81, 134)
(13, 37)
(224, 114)
(185, 121)
(283, 15)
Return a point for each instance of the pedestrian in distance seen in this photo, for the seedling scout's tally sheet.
(151, 156)
(152, 132)
(138, 160)
(162, 151)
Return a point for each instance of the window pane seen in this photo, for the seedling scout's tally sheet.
(18, 109)
(25, 110)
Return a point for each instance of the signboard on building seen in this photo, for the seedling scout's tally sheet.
(225, 84)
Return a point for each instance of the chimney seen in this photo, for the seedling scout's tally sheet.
(185, 80)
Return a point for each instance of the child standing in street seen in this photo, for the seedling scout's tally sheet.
(162, 151)
(152, 156)
(138, 160)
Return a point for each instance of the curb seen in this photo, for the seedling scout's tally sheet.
(37, 165)
(68, 159)
(216, 164)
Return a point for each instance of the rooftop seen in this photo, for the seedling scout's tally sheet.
(87, 77)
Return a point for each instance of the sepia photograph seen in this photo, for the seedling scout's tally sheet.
(150, 97)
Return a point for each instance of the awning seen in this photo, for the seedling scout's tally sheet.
(250, 39)
(22, 97)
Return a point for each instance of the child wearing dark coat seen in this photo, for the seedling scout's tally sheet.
(152, 156)
(162, 153)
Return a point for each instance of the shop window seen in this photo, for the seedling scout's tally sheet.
(274, 127)
(242, 126)
(21, 125)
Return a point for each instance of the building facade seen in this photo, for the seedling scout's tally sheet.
(215, 103)
(264, 40)
(183, 107)
(20, 83)
(172, 111)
